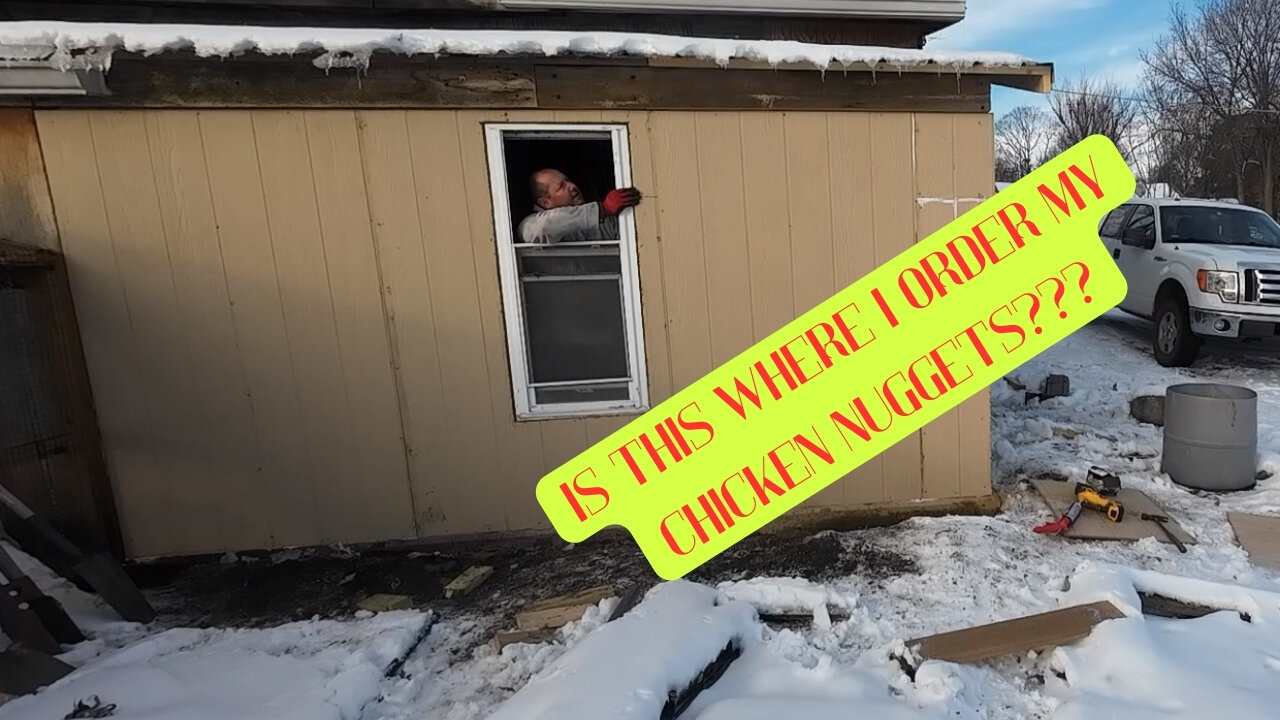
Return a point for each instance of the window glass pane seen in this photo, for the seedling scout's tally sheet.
(1111, 226)
(537, 264)
(1143, 223)
(598, 393)
(575, 330)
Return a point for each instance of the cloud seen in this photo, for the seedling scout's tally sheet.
(986, 21)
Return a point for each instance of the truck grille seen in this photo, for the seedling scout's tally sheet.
(1262, 286)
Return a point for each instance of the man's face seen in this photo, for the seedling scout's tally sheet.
(558, 191)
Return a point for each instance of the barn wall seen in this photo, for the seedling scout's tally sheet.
(293, 318)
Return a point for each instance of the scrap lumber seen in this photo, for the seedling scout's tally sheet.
(468, 580)
(511, 637)
(1033, 632)
(385, 602)
(1259, 535)
(556, 611)
(1167, 607)
(626, 602)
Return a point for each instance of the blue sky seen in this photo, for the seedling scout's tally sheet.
(1100, 37)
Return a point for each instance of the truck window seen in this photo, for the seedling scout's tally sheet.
(1114, 221)
(1143, 223)
(1219, 226)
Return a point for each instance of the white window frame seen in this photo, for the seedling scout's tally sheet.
(512, 301)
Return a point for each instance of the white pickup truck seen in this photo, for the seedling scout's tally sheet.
(1196, 269)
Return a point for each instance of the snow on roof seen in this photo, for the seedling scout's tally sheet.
(70, 45)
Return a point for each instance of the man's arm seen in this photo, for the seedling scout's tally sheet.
(566, 223)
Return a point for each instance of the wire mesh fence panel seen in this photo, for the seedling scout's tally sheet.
(50, 448)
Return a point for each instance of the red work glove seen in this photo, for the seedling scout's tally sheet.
(620, 199)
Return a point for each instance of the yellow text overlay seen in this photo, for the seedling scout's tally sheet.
(851, 377)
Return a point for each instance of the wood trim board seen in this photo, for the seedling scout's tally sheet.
(1033, 632)
(1259, 535)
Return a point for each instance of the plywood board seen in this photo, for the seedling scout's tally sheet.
(1034, 632)
(1259, 535)
(1092, 525)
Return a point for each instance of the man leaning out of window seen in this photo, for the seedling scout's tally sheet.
(560, 215)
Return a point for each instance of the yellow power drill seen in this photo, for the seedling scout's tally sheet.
(1091, 498)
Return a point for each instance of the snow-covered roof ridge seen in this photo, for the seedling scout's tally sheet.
(77, 45)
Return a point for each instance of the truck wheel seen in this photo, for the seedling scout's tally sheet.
(1174, 343)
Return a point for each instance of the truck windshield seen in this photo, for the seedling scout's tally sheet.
(1218, 226)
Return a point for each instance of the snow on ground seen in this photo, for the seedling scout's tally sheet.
(969, 571)
(975, 570)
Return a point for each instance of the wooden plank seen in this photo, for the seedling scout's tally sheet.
(724, 233)
(893, 227)
(379, 485)
(1092, 525)
(283, 473)
(716, 89)
(508, 493)
(391, 185)
(975, 178)
(274, 82)
(288, 187)
(470, 449)
(853, 253)
(220, 397)
(653, 303)
(589, 596)
(512, 637)
(764, 161)
(933, 157)
(1259, 535)
(469, 580)
(182, 492)
(26, 207)
(675, 165)
(103, 316)
(552, 617)
(1034, 632)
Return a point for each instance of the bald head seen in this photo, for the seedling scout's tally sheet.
(551, 189)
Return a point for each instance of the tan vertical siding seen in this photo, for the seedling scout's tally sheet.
(294, 319)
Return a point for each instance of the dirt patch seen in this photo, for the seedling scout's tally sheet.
(329, 584)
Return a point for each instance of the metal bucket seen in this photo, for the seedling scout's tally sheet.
(1210, 436)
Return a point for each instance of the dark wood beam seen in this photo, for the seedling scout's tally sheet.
(716, 89)
(178, 80)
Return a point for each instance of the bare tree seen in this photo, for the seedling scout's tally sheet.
(1022, 140)
(1221, 68)
(1089, 106)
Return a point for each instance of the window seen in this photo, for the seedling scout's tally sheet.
(572, 309)
(1114, 221)
(1141, 230)
(1219, 226)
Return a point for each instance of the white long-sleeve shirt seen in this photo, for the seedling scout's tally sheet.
(572, 223)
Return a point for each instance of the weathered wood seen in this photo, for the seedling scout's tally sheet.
(389, 82)
(468, 580)
(1166, 607)
(26, 209)
(510, 637)
(716, 89)
(551, 617)
(589, 596)
(1033, 632)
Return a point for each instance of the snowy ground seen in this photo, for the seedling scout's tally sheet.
(968, 571)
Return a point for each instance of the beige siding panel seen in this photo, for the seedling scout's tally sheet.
(220, 399)
(676, 176)
(178, 471)
(975, 160)
(464, 479)
(285, 160)
(519, 445)
(387, 161)
(764, 168)
(26, 208)
(284, 473)
(107, 334)
(808, 200)
(380, 478)
(853, 253)
(724, 234)
(935, 181)
(894, 231)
